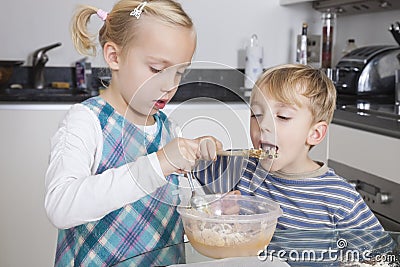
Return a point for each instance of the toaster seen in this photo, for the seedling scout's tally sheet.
(368, 70)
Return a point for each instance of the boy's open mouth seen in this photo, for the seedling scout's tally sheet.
(270, 149)
(268, 146)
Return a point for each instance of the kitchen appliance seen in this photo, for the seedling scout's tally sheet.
(368, 70)
(351, 7)
(395, 30)
(381, 195)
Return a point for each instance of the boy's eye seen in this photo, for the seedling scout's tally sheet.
(282, 117)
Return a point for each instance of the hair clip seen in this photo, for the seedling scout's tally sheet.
(138, 10)
(102, 14)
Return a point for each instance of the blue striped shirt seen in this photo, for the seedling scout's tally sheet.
(317, 200)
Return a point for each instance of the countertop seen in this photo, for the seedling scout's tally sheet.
(188, 91)
(379, 123)
(378, 116)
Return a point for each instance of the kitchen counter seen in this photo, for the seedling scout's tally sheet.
(381, 118)
(369, 120)
(199, 91)
(43, 95)
(374, 113)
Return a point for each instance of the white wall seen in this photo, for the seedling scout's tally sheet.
(223, 27)
(366, 29)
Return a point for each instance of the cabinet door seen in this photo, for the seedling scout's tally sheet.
(373, 153)
(228, 123)
(27, 236)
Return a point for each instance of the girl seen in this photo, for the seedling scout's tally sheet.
(111, 185)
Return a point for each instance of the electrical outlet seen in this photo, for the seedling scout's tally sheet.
(313, 48)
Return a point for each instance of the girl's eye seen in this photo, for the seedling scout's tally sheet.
(255, 115)
(154, 70)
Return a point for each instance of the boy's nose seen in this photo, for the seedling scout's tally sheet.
(267, 123)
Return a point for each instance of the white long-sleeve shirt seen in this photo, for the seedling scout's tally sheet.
(74, 194)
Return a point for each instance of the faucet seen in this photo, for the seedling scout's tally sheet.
(38, 61)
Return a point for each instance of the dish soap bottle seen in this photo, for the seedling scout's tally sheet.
(350, 46)
(254, 62)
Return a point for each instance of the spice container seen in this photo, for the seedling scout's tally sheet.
(328, 24)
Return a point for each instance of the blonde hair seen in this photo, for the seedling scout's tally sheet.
(120, 27)
(285, 82)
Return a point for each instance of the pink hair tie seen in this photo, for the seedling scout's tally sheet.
(102, 14)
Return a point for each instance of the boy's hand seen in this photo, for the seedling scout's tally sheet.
(180, 154)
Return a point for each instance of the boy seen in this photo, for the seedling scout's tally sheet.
(291, 108)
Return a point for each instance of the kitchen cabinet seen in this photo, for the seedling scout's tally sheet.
(25, 144)
(229, 123)
(370, 161)
(27, 236)
(373, 153)
(291, 2)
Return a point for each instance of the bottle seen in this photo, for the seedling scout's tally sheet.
(350, 46)
(303, 45)
(83, 72)
(328, 23)
(254, 62)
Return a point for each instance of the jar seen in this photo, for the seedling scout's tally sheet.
(328, 25)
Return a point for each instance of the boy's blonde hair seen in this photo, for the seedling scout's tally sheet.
(285, 82)
(120, 27)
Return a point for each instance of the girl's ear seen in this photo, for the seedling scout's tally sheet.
(110, 53)
(317, 133)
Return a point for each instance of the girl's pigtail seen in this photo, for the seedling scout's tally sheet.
(84, 41)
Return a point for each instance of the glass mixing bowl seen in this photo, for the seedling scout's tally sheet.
(231, 225)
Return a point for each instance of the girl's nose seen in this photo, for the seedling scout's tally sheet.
(169, 81)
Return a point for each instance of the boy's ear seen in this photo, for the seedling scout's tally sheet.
(110, 53)
(317, 133)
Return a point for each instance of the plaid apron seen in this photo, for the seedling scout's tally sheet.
(152, 223)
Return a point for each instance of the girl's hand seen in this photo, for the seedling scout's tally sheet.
(180, 154)
(208, 147)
